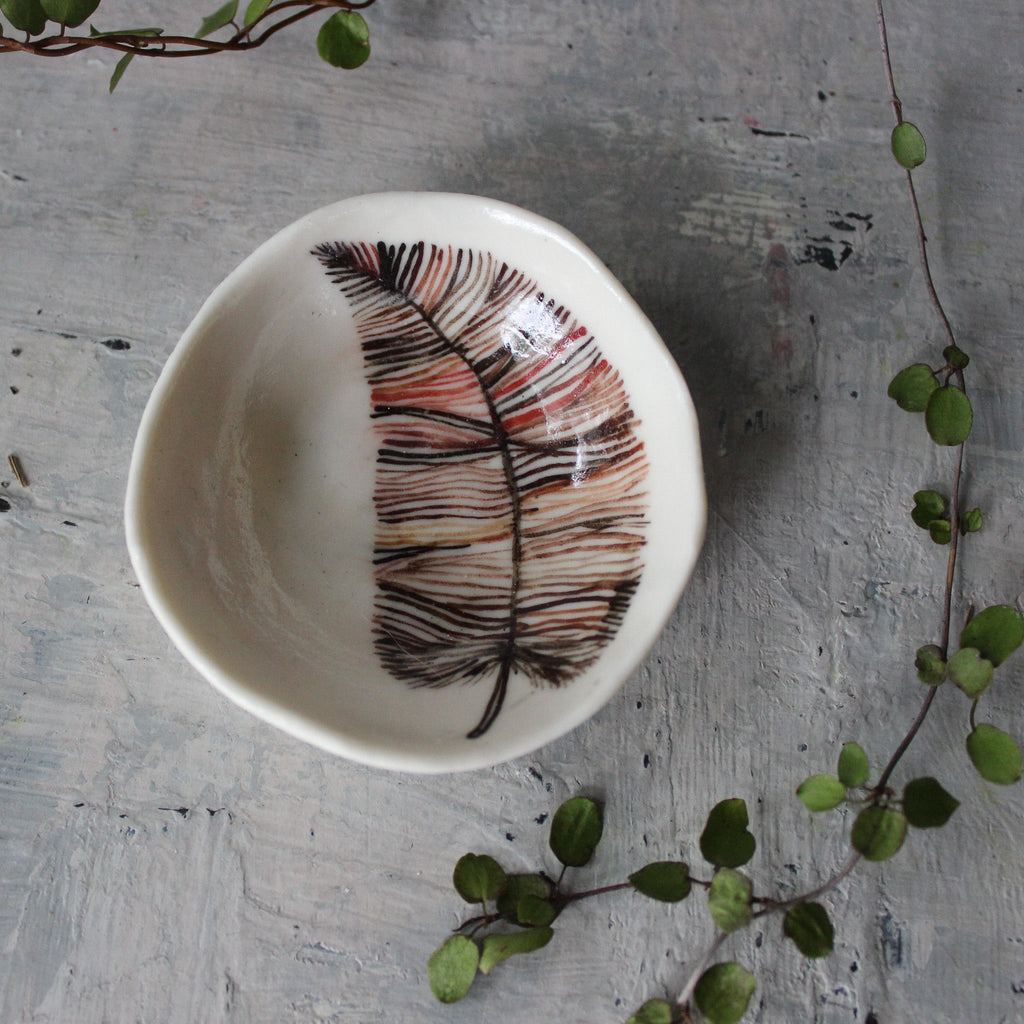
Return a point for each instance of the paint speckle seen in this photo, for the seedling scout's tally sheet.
(116, 344)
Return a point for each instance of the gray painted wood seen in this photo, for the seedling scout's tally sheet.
(166, 857)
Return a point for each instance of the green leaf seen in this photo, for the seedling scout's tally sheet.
(518, 888)
(665, 880)
(956, 358)
(69, 12)
(996, 632)
(928, 506)
(119, 69)
(723, 993)
(575, 831)
(908, 145)
(26, 15)
(912, 387)
(995, 754)
(93, 31)
(931, 668)
(970, 671)
(926, 804)
(654, 1011)
(255, 11)
(220, 17)
(853, 768)
(496, 948)
(534, 910)
(452, 968)
(725, 841)
(971, 521)
(939, 531)
(948, 415)
(809, 926)
(878, 832)
(821, 793)
(478, 877)
(729, 899)
(344, 40)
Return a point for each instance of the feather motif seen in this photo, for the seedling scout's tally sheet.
(510, 481)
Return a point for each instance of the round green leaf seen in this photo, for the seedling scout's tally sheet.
(971, 521)
(452, 968)
(948, 415)
(908, 145)
(496, 948)
(69, 12)
(809, 926)
(878, 832)
(853, 768)
(995, 754)
(575, 831)
(912, 387)
(666, 880)
(926, 804)
(255, 11)
(928, 506)
(729, 899)
(995, 632)
(478, 877)
(26, 15)
(220, 17)
(970, 671)
(723, 993)
(344, 40)
(821, 793)
(725, 841)
(534, 910)
(654, 1011)
(931, 668)
(517, 889)
(956, 358)
(939, 531)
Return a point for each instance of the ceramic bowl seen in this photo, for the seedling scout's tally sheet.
(420, 484)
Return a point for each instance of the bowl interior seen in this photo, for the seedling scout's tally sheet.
(328, 542)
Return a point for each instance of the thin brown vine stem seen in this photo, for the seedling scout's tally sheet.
(922, 245)
(62, 45)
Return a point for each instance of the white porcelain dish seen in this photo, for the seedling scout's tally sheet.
(420, 484)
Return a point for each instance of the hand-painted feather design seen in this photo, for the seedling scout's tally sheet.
(510, 483)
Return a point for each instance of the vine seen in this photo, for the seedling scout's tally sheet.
(343, 40)
(516, 911)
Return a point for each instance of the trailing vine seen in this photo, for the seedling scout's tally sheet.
(516, 912)
(343, 39)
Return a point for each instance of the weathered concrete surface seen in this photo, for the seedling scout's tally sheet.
(165, 857)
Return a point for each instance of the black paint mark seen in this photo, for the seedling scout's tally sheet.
(535, 773)
(824, 255)
(647, 760)
(541, 818)
(116, 344)
(15, 351)
(871, 1018)
(511, 838)
(822, 95)
(777, 134)
(14, 389)
(5, 505)
(183, 811)
(78, 805)
(68, 522)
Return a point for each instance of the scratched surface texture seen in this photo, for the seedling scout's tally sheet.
(166, 857)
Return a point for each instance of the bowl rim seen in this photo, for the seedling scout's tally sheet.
(326, 736)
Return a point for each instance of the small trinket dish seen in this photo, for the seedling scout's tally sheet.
(420, 484)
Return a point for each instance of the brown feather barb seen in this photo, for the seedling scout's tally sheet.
(510, 487)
